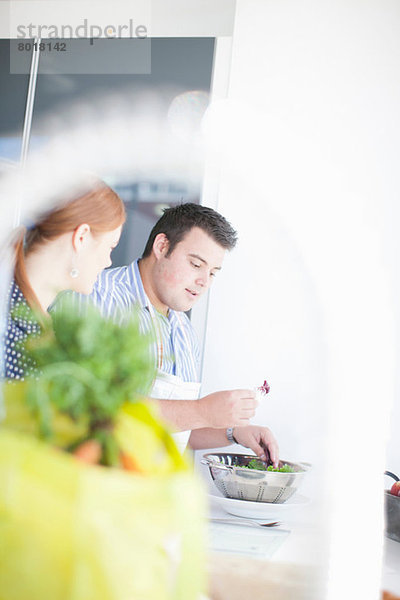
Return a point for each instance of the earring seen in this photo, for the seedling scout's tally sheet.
(74, 272)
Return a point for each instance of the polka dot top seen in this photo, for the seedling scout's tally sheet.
(19, 328)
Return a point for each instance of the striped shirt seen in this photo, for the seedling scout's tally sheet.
(118, 290)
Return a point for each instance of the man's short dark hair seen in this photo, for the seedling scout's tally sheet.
(176, 222)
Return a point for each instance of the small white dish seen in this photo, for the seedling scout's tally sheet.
(257, 510)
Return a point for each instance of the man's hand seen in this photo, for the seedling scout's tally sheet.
(227, 408)
(260, 440)
(217, 411)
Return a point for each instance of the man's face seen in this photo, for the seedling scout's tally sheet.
(183, 276)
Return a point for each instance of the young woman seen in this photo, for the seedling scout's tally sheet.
(65, 250)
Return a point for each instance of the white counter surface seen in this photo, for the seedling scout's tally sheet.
(391, 567)
(298, 540)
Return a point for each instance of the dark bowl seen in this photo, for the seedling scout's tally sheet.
(392, 512)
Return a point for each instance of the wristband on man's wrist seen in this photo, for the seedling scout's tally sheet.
(230, 437)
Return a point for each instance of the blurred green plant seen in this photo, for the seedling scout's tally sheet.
(88, 367)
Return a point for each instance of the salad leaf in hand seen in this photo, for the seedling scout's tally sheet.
(264, 388)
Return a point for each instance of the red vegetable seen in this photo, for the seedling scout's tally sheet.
(395, 489)
(264, 387)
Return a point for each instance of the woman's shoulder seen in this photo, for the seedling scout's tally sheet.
(15, 295)
(21, 325)
(20, 315)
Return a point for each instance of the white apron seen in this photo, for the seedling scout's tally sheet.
(172, 387)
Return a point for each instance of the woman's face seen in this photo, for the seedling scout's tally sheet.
(92, 256)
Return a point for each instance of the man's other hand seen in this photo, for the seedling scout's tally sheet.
(259, 439)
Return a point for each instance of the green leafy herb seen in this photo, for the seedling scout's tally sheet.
(88, 367)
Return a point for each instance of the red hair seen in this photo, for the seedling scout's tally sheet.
(101, 208)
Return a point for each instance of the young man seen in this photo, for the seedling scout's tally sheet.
(183, 254)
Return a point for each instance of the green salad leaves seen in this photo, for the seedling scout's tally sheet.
(259, 465)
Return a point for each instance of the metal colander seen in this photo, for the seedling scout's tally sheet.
(235, 481)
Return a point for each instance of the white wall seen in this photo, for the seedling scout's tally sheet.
(312, 127)
(266, 321)
(310, 147)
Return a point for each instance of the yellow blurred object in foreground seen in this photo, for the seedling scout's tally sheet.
(20, 418)
(70, 531)
(141, 436)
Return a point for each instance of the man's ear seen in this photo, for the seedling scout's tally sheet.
(80, 235)
(160, 245)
